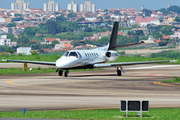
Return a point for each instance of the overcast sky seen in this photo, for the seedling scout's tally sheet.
(102, 4)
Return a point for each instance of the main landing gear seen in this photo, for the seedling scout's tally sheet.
(119, 73)
(60, 72)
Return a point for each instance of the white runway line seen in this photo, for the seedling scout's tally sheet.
(157, 66)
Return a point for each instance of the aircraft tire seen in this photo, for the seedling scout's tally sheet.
(60, 72)
(119, 73)
(66, 74)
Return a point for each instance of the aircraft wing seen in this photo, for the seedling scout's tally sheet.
(129, 63)
(33, 62)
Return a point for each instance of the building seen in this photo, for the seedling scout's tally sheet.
(175, 35)
(144, 21)
(51, 40)
(87, 7)
(20, 5)
(4, 40)
(73, 7)
(24, 50)
(51, 6)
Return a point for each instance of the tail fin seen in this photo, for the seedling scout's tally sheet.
(114, 35)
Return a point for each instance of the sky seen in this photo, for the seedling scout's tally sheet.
(102, 4)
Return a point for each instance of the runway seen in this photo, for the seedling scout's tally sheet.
(90, 90)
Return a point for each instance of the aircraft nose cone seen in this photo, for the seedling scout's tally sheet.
(65, 62)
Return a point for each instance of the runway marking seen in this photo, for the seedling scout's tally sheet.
(157, 66)
(150, 74)
(94, 74)
(159, 83)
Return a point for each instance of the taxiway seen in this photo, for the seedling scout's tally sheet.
(90, 90)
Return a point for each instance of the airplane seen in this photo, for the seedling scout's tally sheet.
(94, 58)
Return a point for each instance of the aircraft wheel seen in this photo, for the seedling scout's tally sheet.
(119, 73)
(66, 74)
(60, 72)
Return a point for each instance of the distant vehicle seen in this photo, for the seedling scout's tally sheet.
(95, 58)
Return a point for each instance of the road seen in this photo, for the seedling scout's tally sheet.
(90, 90)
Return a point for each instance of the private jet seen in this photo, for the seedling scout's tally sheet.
(94, 58)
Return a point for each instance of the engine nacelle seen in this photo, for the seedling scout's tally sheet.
(108, 54)
(112, 55)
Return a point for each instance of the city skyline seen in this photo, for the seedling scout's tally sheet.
(102, 4)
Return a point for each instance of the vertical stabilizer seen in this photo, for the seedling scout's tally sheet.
(114, 35)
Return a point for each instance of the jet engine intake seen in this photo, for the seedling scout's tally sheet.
(108, 54)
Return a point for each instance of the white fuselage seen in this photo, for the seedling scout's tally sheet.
(78, 58)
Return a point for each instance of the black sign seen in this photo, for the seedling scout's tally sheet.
(134, 105)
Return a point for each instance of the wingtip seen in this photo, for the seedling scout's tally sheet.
(4, 60)
(173, 60)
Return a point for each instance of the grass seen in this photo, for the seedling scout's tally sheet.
(103, 114)
(13, 71)
(174, 80)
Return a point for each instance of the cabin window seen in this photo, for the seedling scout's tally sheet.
(73, 54)
(94, 55)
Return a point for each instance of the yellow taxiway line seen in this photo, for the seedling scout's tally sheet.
(159, 83)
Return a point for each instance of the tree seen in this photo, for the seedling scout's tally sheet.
(9, 50)
(164, 11)
(11, 25)
(17, 19)
(23, 40)
(53, 27)
(55, 42)
(177, 19)
(30, 31)
(163, 43)
(80, 19)
(71, 15)
(87, 29)
(61, 18)
(147, 12)
(139, 32)
(3, 48)
(17, 15)
(174, 8)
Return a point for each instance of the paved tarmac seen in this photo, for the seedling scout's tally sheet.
(90, 90)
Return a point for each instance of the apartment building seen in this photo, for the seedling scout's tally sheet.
(87, 7)
(20, 5)
(4, 40)
(73, 6)
(51, 6)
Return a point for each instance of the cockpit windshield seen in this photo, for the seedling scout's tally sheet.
(66, 54)
(72, 54)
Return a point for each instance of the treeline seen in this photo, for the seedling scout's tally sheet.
(166, 54)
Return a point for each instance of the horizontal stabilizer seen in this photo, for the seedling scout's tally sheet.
(98, 45)
(142, 42)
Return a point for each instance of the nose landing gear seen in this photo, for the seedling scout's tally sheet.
(60, 73)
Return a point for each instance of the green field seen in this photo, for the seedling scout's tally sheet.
(101, 114)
